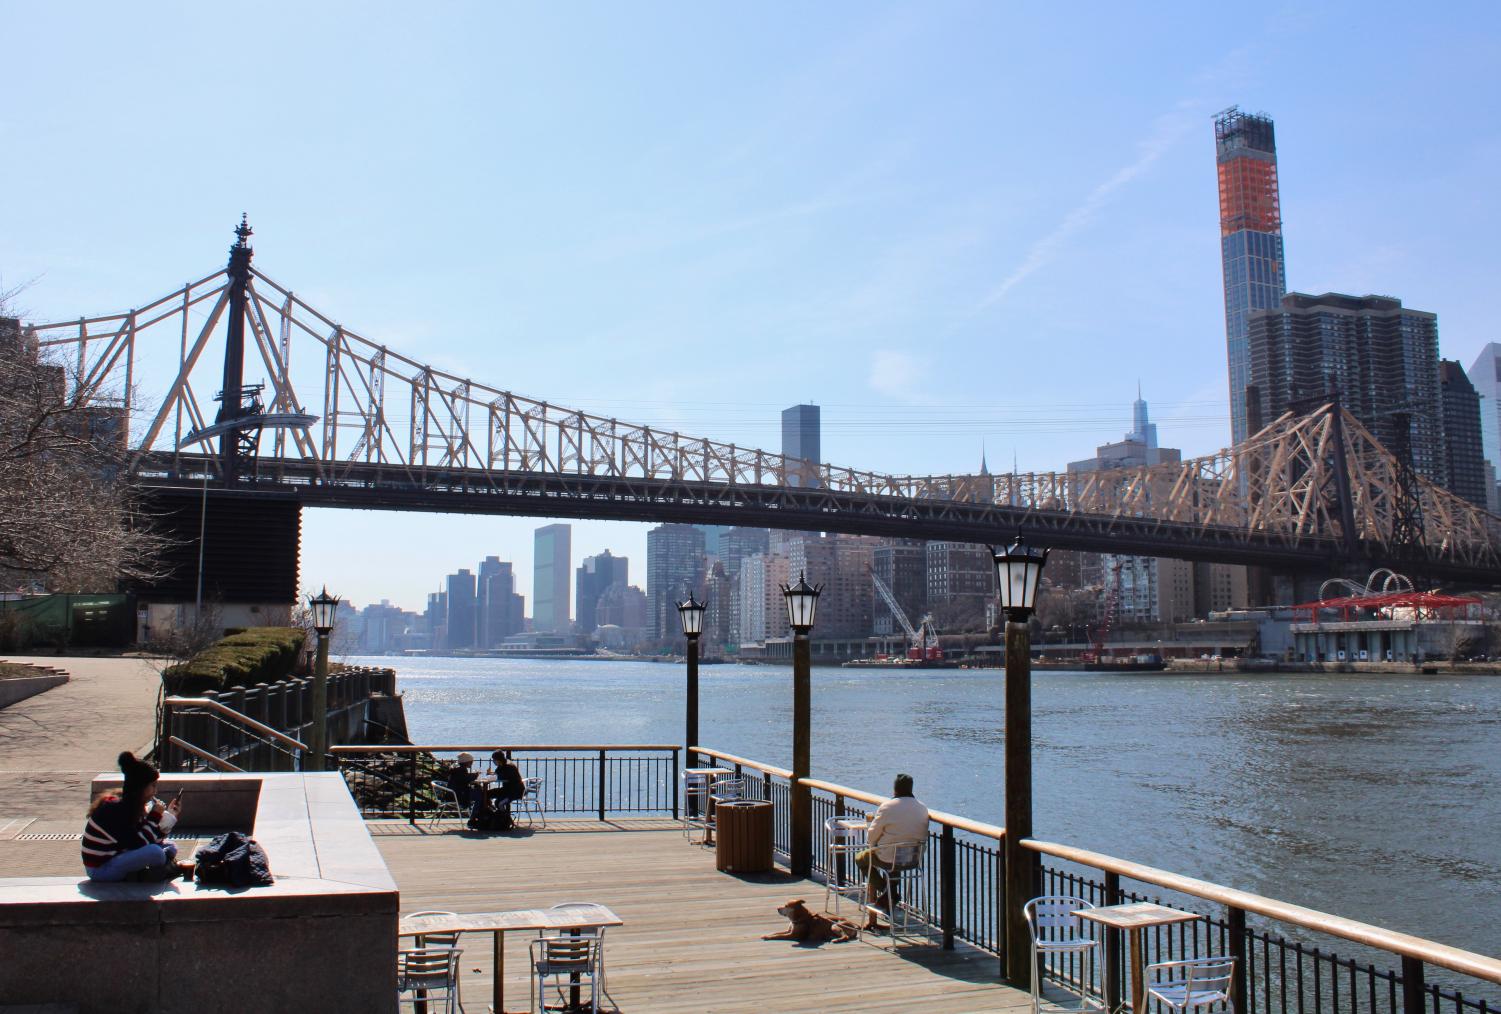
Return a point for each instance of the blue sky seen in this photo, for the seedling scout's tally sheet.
(947, 223)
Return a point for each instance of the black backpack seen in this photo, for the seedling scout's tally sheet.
(234, 859)
(490, 818)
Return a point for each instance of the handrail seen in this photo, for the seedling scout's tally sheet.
(357, 748)
(936, 816)
(730, 758)
(228, 712)
(1467, 962)
(210, 759)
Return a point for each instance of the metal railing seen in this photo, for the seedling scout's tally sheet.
(251, 728)
(592, 779)
(962, 895)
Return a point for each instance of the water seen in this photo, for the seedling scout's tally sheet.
(1372, 797)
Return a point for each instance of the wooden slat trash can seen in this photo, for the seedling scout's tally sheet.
(743, 828)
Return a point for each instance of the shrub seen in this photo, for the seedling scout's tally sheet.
(260, 655)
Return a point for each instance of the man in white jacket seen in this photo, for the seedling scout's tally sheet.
(901, 820)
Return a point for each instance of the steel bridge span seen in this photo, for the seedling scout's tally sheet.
(379, 430)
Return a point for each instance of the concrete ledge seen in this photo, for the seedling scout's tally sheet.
(16, 690)
(323, 937)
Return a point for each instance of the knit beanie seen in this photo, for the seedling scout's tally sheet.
(138, 774)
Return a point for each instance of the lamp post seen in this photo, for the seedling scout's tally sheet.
(691, 613)
(802, 604)
(323, 607)
(1018, 571)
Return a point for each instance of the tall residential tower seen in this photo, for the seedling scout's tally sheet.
(1250, 239)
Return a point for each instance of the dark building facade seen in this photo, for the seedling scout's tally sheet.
(501, 610)
(1380, 357)
(801, 429)
(1255, 275)
(593, 578)
(1464, 451)
(674, 565)
(462, 615)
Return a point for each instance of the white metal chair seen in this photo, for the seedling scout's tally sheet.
(846, 883)
(596, 932)
(722, 790)
(428, 977)
(1055, 927)
(531, 802)
(906, 869)
(432, 941)
(695, 802)
(448, 800)
(1197, 982)
(565, 962)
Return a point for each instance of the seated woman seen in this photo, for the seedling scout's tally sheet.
(508, 785)
(461, 779)
(126, 833)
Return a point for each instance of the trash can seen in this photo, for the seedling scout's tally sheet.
(743, 829)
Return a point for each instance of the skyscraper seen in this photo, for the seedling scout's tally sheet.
(593, 578)
(1379, 356)
(1250, 239)
(674, 565)
(1464, 452)
(1485, 374)
(500, 608)
(800, 439)
(552, 559)
(461, 612)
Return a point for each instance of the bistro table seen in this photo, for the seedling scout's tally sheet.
(1134, 918)
(574, 917)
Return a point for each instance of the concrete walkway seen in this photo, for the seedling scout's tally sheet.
(52, 745)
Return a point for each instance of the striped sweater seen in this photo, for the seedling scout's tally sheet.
(113, 829)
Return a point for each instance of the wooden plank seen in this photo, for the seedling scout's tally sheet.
(691, 938)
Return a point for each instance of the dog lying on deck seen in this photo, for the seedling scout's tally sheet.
(809, 927)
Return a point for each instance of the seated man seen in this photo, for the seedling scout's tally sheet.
(460, 779)
(900, 820)
(508, 786)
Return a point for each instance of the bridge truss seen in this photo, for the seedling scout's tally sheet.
(1309, 492)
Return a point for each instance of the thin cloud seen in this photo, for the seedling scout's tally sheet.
(1166, 132)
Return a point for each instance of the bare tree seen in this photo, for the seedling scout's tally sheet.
(70, 519)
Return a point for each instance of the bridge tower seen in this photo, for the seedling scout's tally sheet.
(232, 396)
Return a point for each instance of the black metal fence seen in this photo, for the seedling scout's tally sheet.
(588, 780)
(1275, 974)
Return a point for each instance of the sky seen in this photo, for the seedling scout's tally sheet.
(952, 225)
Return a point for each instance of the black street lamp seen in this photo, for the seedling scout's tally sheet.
(802, 604)
(691, 613)
(1018, 572)
(324, 607)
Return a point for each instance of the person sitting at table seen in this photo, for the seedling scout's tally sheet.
(461, 779)
(508, 786)
(900, 820)
(126, 833)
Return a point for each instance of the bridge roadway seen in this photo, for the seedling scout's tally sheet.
(376, 486)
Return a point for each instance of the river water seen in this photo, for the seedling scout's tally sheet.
(1372, 797)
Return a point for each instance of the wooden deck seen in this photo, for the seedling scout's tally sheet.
(692, 936)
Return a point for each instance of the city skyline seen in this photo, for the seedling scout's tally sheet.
(805, 225)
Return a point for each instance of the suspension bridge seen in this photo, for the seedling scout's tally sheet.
(337, 419)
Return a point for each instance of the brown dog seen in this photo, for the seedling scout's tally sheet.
(809, 927)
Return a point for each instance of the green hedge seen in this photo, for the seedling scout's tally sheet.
(261, 655)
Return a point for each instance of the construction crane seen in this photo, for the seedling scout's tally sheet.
(1112, 605)
(922, 640)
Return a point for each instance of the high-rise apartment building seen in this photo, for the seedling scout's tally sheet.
(841, 564)
(1464, 451)
(1380, 357)
(738, 543)
(674, 566)
(901, 564)
(763, 611)
(594, 577)
(713, 539)
(800, 439)
(1250, 239)
(961, 581)
(462, 615)
(552, 558)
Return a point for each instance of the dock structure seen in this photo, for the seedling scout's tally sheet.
(691, 941)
